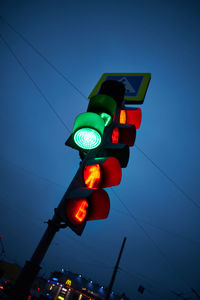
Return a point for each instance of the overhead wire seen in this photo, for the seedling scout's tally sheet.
(169, 178)
(60, 119)
(34, 83)
(149, 237)
(43, 57)
(78, 90)
(50, 181)
(64, 235)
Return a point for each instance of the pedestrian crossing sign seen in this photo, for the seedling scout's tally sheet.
(136, 85)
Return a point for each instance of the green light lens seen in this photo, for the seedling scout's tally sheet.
(87, 138)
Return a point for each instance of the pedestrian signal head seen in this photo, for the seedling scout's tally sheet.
(106, 173)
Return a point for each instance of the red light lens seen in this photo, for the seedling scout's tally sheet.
(115, 136)
(131, 117)
(92, 176)
(99, 205)
(76, 210)
(127, 136)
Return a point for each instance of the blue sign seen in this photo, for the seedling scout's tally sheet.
(136, 85)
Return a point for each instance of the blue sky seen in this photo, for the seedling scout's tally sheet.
(159, 215)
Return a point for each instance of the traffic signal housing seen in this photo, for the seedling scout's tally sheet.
(86, 199)
(102, 135)
(89, 127)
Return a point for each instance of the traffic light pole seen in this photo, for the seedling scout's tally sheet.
(115, 270)
(32, 267)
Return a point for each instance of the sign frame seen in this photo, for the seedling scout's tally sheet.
(139, 98)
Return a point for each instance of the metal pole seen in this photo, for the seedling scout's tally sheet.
(115, 270)
(195, 292)
(32, 267)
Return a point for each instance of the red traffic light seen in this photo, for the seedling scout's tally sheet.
(124, 135)
(131, 117)
(76, 210)
(105, 174)
(94, 207)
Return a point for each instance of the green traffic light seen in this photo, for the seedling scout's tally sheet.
(88, 130)
(87, 138)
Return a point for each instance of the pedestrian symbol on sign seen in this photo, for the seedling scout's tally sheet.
(128, 86)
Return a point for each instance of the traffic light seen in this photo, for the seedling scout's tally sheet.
(86, 200)
(89, 127)
(102, 135)
(122, 134)
(124, 128)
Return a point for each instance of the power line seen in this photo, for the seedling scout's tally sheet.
(32, 173)
(169, 178)
(43, 57)
(60, 119)
(73, 85)
(34, 83)
(148, 236)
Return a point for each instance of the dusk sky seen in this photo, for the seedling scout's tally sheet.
(52, 53)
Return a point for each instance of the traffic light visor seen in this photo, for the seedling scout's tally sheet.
(88, 130)
(99, 206)
(103, 104)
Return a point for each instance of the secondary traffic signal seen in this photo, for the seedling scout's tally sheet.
(122, 134)
(86, 200)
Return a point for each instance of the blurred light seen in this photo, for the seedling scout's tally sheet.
(68, 282)
(55, 279)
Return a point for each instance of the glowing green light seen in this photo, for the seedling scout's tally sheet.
(106, 117)
(87, 138)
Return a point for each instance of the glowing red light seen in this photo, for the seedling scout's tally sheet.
(82, 211)
(1, 236)
(76, 210)
(131, 117)
(115, 135)
(92, 176)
